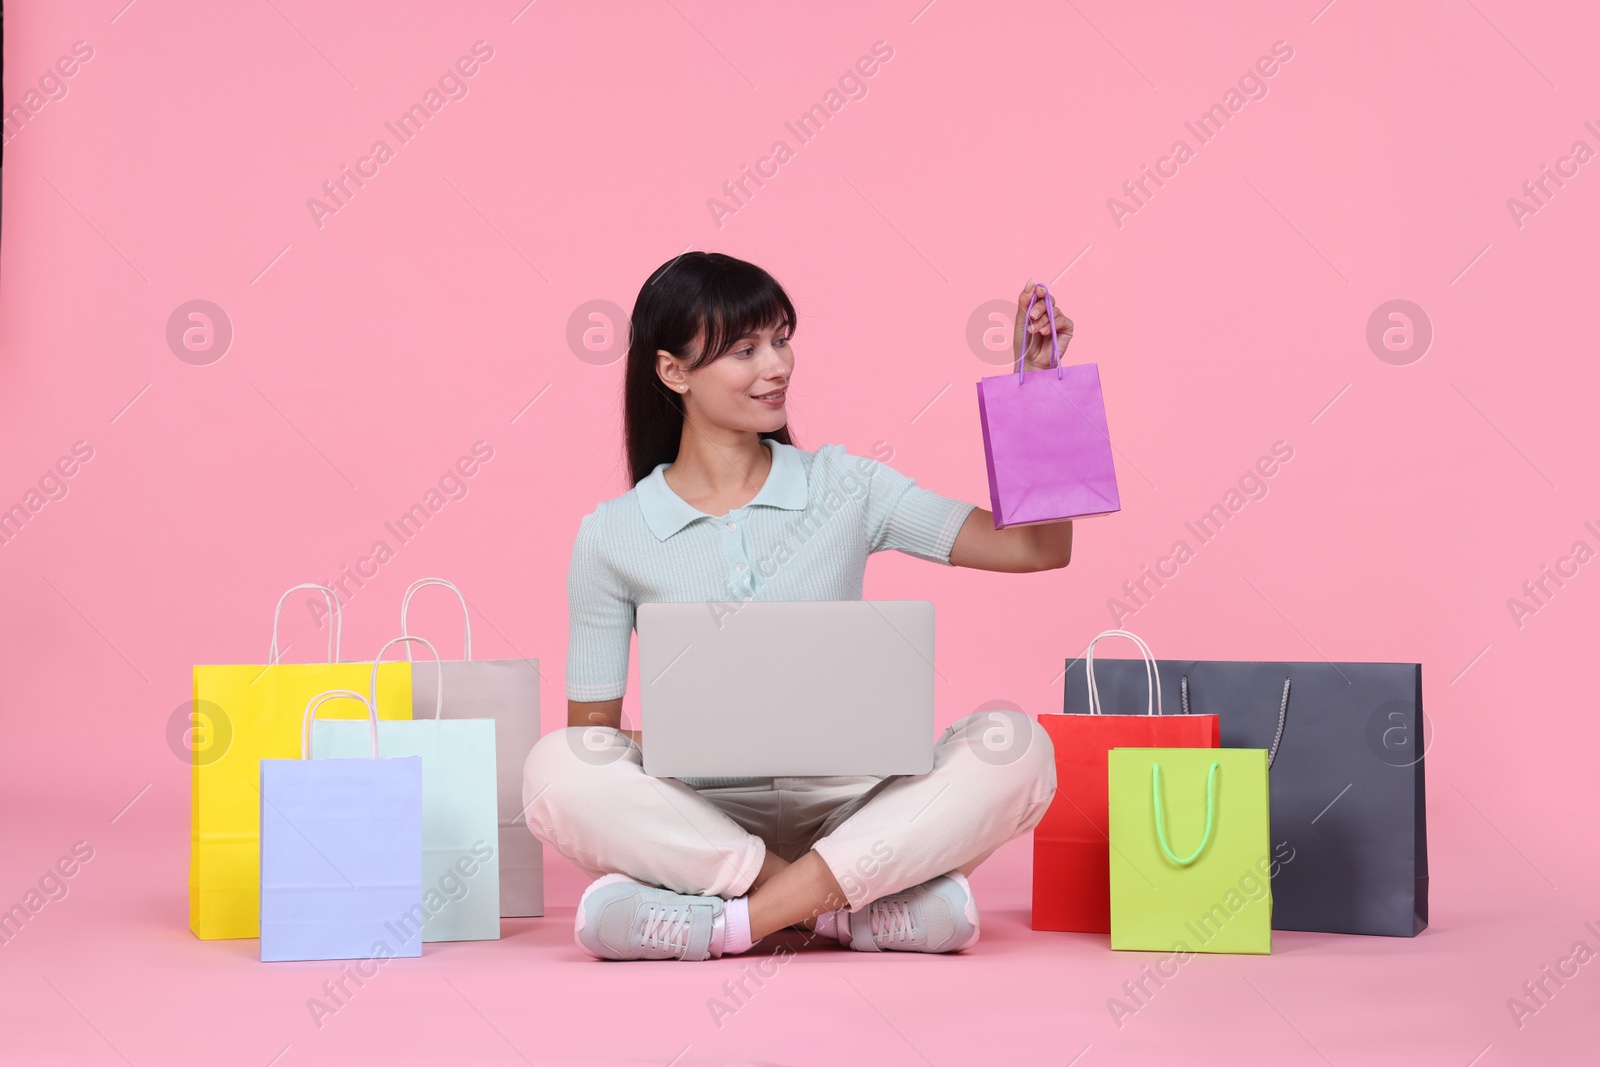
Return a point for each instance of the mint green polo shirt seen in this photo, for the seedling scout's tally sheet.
(805, 536)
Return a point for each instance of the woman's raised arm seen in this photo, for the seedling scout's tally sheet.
(1016, 549)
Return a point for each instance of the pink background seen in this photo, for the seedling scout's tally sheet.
(1228, 313)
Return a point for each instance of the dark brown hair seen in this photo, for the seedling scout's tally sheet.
(698, 294)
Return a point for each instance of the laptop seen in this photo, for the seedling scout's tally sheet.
(785, 688)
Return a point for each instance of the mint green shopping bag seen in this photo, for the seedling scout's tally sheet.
(460, 831)
(1190, 849)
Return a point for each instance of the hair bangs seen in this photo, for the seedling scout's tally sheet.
(738, 303)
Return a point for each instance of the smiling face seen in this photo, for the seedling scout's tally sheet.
(743, 389)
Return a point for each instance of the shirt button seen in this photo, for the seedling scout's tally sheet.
(731, 526)
(739, 568)
(749, 598)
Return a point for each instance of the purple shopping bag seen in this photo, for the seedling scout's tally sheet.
(1046, 442)
(341, 852)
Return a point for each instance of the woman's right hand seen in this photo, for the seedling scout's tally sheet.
(601, 713)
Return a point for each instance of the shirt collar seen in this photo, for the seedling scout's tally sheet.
(666, 512)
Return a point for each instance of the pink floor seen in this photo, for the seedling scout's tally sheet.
(111, 974)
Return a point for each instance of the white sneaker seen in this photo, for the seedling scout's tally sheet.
(939, 915)
(623, 919)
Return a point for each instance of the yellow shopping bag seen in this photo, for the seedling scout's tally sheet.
(242, 715)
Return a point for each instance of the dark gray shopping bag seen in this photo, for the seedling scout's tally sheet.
(1349, 815)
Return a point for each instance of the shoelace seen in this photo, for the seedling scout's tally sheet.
(666, 927)
(891, 920)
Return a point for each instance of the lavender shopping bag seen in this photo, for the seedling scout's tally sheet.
(341, 852)
(1046, 442)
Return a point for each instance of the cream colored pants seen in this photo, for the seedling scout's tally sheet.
(585, 794)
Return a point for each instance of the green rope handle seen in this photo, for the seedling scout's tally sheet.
(1211, 813)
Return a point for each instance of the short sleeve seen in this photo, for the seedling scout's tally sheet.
(902, 515)
(601, 619)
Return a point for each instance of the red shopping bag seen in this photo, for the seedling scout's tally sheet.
(1071, 846)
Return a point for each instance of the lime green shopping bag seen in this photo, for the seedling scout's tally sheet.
(1190, 850)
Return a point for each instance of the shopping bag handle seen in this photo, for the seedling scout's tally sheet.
(1283, 714)
(1055, 341)
(1151, 677)
(438, 679)
(423, 583)
(321, 699)
(334, 633)
(1211, 814)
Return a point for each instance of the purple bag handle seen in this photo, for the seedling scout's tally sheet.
(1055, 343)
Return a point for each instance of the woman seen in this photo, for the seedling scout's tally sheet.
(700, 868)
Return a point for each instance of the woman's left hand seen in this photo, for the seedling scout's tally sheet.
(1036, 329)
